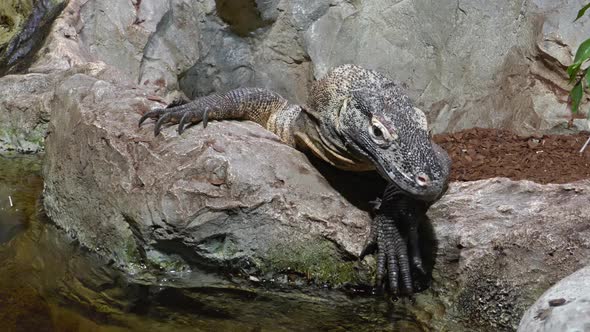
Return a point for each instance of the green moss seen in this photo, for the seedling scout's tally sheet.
(7, 132)
(37, 135)
(14, 139)
(13, 14)
(319, 261)
(131, 253)
(166, 262)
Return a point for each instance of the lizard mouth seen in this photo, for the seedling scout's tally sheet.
(406, 184)
(424, 194)
(402, 181)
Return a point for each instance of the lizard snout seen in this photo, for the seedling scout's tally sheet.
(422, 180)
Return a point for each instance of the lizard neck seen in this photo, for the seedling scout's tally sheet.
(309, 135)
(283, 123)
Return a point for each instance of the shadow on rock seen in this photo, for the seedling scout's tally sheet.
(358, 188)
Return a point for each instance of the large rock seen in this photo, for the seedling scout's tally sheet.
(230, 193)
(564, 307)
(173, 43)
(25, 99)
(467, 63)
(501, 244)
(26, 105)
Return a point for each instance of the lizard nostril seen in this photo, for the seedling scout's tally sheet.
(422, 180)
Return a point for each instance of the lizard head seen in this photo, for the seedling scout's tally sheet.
(393, 135)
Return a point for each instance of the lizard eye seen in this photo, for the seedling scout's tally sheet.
(379, 133)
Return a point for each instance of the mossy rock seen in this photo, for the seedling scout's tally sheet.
(13, 15)
(22, 140)
(23, 26)
(319, 262)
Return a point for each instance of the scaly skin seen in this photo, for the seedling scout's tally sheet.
(357, 120)
(397, 215)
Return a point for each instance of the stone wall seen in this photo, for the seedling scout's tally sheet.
(466, 63)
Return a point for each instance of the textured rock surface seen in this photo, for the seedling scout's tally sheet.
(564, 307)
(467, 63)
(490, 64)
(502, 243)
(24, 111)
(214, 195)
(24, 98)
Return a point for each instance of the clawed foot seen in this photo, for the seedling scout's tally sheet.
(185, 114)
(396, 255)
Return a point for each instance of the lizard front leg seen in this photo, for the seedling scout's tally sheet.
(394, 234)
(259, 105)
(397, 266)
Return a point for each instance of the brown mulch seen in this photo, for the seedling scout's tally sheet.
(484, 153)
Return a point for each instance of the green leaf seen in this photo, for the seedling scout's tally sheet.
(583, 52)
(582, 11)
(576, 96)
(587, 76)
(573, 70)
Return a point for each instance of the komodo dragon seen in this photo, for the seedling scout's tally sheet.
(357, 119)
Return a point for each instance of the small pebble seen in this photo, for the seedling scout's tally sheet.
(556, 302)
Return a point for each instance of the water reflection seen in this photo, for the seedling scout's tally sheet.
(11, 223)
(20, 184)
(47, 283)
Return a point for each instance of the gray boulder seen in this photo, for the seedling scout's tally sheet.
(24, 110)
(25, 99)
(502, 243)
(467, 63)
(230, 193)
(564, 307)
(26, 104)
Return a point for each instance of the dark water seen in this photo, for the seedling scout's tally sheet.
(47, 283)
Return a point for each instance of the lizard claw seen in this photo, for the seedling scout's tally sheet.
(184, 115)
(392, 258)
(166, 118)
(395, 230)
(415, 249)
(376, 204)
(183, 122)
(205, 118)
(153, 114)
